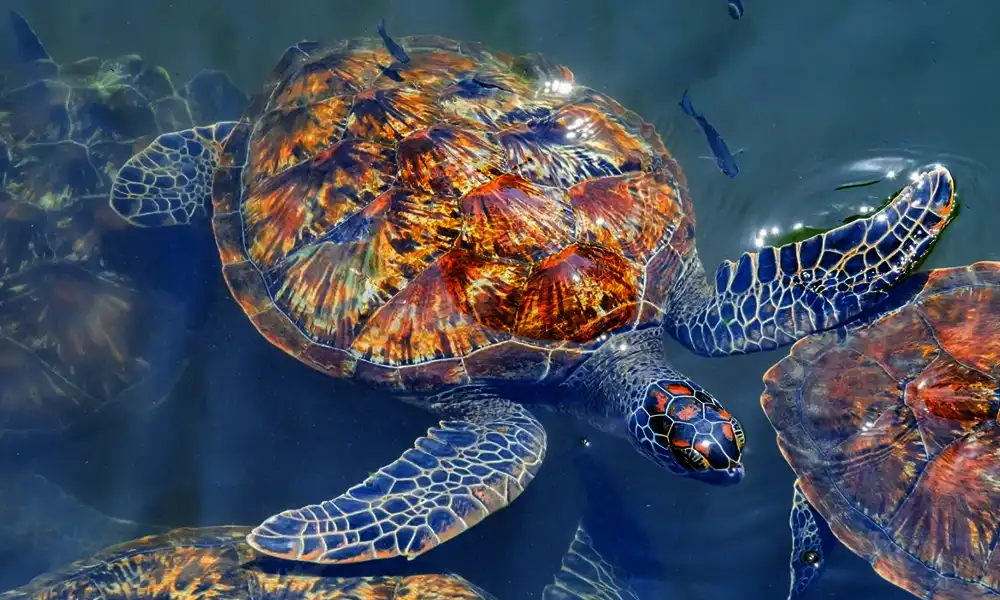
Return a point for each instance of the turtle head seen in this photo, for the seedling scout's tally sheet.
(685, 430)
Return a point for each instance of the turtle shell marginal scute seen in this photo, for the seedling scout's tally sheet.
(216, 562)
(892, 429)
(390, 221)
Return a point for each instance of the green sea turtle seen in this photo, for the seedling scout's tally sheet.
(74, 334)
(891, 426)
(42, 527)
(483, 236)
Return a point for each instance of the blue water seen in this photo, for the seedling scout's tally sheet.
(814, 92)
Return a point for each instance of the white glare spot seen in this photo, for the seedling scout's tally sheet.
(890, 174)
(622, 346)
(775, 230)
(762, 233)
(570, 135)
(865, 209)
(882, 218)
(914, 176)
(797, 226)
(558, 86)
(758, 242)
(600, 221)
(576, 278)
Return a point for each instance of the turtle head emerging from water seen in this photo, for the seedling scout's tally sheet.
(685, 430)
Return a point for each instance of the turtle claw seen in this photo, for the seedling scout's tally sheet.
(170, 182)
(455, 476)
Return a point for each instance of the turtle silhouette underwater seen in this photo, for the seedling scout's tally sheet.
(484, 237)
(891, 427)
(43, 527)
(65, 131)
(607, 553)
(75, 335)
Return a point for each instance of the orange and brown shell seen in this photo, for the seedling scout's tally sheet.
(468, 214)
(215, 563)
(892, 429)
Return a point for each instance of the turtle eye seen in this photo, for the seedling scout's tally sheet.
(811, 557)
(741, 438)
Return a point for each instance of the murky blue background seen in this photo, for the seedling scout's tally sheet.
(808, 89)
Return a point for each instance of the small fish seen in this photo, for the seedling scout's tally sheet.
(720, 152)
(858, 184)
(736, 8)
(394, 49)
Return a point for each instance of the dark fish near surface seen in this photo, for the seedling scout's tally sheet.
(394, 49)
(858, 184)
(723, 157)
(736, 8)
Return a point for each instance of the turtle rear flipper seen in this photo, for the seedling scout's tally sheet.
(811, 542)
(170, 182)
(609, 549)
(778, 295)
(473, 464)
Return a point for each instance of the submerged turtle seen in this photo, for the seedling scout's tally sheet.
(43, 527)
(605, 558)
(480, 235)
(66, 130)
(74, 335)
(892, 429)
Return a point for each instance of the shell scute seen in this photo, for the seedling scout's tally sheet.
(424, 321)
(448, 160)
(512, 218)
(950, 520)
(965, 324)
(344, 70)
(632, 213)
(308, 201)
(577, 142)
(288, 136)
(577, 294)
(509, 360)
(388, 115)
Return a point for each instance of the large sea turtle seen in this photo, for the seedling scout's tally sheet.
(481, 235)
(891, 426)
(74, 334)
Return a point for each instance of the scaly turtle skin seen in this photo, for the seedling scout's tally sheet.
(460, 224)
(892, 429)
(75, 336)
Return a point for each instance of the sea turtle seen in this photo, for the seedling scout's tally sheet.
(43, 527)
(66, 129)
(74, 334)
(483, 236)
(891, 427)
(608, 559)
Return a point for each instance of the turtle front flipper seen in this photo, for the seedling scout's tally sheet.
(474, 463)
(170, 182)
(809, 544)
(777, 295)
